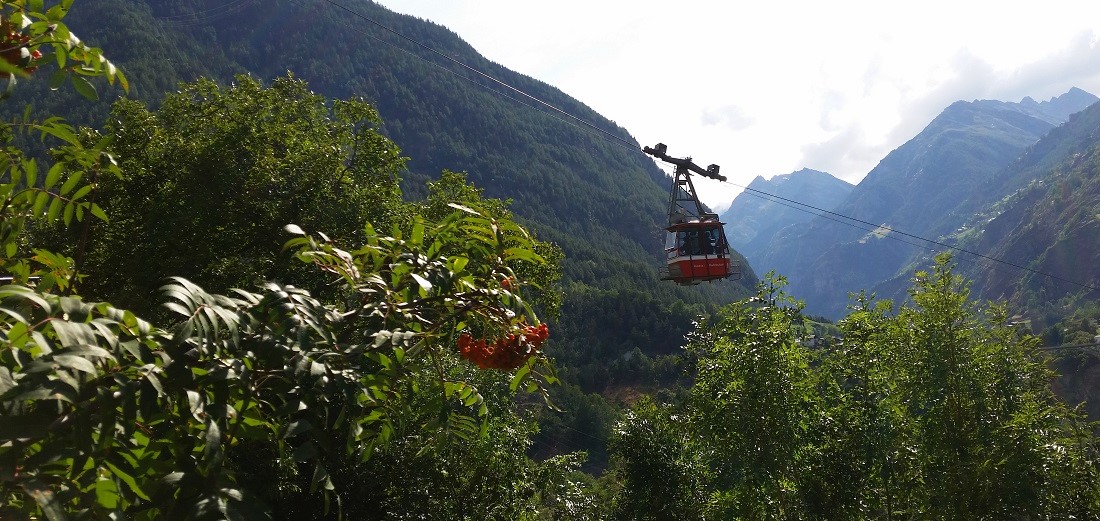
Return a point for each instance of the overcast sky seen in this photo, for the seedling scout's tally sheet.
(772, 87)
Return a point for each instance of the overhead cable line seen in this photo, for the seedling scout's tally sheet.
(633, 146)
(914, 236)
(478, 72)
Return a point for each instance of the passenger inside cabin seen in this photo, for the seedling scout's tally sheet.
(696, 242)
(706, 242)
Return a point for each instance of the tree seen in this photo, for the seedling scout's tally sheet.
(106, 415)
(753, 403)
(212, 176)
(110, 413)
(991, 440)
(658, 464)
(936, 409)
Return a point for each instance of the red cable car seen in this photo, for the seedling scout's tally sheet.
(695, 244)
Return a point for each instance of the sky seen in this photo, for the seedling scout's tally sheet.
(768, 88)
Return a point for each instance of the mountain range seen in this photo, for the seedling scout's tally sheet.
(754, 218)
(961, 165)
(587, 188)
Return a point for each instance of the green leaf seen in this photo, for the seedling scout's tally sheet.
(57, 79)
(55, 209)
(54, 175)
(31, 169)
(106, 493)
(40, 201)
(466, 209)
(60, 131)
(83, 191)
(128, 480)
(67, 215)
(422, 282)
(84, 87)
(173, 478)
(213, 441)
(523, 254)
(194, 401)
(75, 362)
(99, 213)
(71, 182)
(521, 373)
(320, 477)
(458, 263)
(72, 333)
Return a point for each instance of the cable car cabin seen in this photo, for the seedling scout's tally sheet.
(697, 251)
(696, 245)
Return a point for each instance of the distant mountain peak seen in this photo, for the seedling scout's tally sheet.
(753, 219)
(806, 175)
(1061, 107)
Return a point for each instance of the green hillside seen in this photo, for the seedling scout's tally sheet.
(1051, 226)
(600, 200)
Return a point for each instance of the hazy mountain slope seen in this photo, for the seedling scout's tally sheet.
(1051, 226)
(753, 219)
(1011, 210)
(923, 187)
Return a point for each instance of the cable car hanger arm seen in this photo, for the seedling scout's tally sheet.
(659, 152)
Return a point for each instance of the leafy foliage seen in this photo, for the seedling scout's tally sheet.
(936, 410)
(210, 179)
(106, 415)
(94, 394)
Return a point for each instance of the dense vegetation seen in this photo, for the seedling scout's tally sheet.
(271, 401)
(337, 350)
(599, 200)
(936, 409)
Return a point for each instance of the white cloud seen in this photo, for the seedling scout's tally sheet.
(731, 117)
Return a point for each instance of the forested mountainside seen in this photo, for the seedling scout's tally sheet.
(1040, 217)
(602, 202)
(1051, 226)
(754, 219)
(924, 187)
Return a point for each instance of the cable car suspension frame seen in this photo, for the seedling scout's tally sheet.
(696, 247)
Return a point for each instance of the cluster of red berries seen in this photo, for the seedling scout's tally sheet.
(506, 353)
(13, 49)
